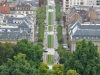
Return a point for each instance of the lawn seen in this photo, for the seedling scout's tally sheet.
(50, 7)
(50, 28)
(50, 18)
(50, 41)
(50, 59)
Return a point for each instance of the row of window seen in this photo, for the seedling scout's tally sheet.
(2, 11)
(17, 8)
(87, 38)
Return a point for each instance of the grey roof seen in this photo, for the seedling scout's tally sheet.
(84, 26)
(16, 32)
(10, 19)
(1, 14)
(23, 26)
(97, 21)
(13, 35)
(86, 33)
(32, 2)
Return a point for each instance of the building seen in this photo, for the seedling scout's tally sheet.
(80, 31)
(69, 3)
(14, 29)
(83, 23)
(25, 9)
(5, 10)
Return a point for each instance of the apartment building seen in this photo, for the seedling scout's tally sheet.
(13, 29)
(83, 22)
(69, 3)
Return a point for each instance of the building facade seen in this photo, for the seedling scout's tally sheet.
(83, 22)
(69, 3)
(13, 29)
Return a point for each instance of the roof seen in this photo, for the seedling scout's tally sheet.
(11, 20)
(32, 2)
(86, 33)
(84, 30)
(5, 8)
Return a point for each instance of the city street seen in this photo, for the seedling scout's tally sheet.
(50, 51)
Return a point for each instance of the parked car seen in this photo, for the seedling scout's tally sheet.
(45, 50)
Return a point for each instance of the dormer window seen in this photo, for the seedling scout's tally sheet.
(16, 36)
(92, 37)
(8, 35)
(77, 37)
(96, 37)
(84, 37)
(0, 35)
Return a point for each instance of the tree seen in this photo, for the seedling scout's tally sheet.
(85, 59)
(18, 66)
(72, 72)
(58, 69)
(59, 34)
(43, 69)
(64, 55)
(33, 53)
(5, 49)
(58, 13)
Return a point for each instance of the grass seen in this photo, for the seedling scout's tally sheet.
(50, 18)
(50, 7)
(50, 59)
(50, 41)
(50, 28)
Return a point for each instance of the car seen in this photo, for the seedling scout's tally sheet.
(45, 51)
(65, 46)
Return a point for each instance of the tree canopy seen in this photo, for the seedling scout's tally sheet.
(72, 72)
(58, 13)
(59, 34)
(43, 69)
(18, 66)
(58, 69)
(85, 59)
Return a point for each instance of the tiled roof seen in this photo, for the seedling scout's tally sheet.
(4, 9)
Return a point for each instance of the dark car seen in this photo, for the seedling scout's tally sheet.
(45, 51)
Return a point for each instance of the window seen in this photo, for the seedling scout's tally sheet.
(84, 37)
(8, 35)
(0, 35)
(77, 37)
(92, 37)
(16, 36)
(96, 37)
(88, 37)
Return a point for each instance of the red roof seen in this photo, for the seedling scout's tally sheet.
(4, 9)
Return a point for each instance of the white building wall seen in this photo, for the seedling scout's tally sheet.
(78, 2)
(91, 2)
(64, 5)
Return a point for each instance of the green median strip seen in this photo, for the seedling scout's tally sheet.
(50, 59)
(50, 41)
(50, 7)
(50, 18)
(50, 28)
